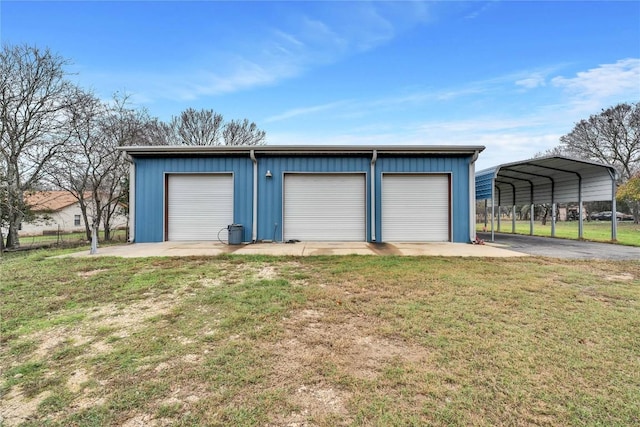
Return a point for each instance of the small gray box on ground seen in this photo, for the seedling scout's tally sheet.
(235, 234)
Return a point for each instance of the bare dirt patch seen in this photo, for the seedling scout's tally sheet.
(121, 320)
(87, 402)
(209, 282)
(129, 318)
(347, 342)
(145, 420)
(76, 380)
(49, 340)
(267, 272)
(619, 277)
(91, 273)
(15, 408)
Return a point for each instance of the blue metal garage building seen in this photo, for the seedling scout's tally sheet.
(306, 193)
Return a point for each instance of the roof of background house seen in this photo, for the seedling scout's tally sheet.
(53, 201)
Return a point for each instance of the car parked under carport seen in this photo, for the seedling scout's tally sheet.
(606, 216)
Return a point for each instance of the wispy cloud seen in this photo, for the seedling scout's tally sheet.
(267, 55)
(412, 98)
(532, 81)
(508, 135)
(596, 87)
(507, 139)
(567, 98)
(481, 7)
(296, 112)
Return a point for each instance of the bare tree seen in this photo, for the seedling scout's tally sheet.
(156, 132)
(91, 167)
(3, 203)
(611, 137)
(122, 126)
(195, 127)
(243, 133)
(204, 128)
(33, 92)
(73, 168)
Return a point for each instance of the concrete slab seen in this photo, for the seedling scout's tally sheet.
(279, 249)
(453, 250)
(336, 248)
(163, 249)
(177, 249)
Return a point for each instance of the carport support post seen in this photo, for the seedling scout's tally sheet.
(580, 208)
(486, 214)
(614, 207)
(499, 204)
(614, 219)
(493, 211)
(513, 211)
(553, 209)
(531, 211)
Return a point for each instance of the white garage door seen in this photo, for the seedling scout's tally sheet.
(415, 208)
(199, 206)
(324, 207)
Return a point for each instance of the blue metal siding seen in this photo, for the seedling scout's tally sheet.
(459, 169)
(484, 182)
(150, 172)
(270, 190)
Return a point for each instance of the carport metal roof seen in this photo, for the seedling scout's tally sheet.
(550, 179)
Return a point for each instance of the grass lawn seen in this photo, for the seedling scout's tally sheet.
(628, 232)
(318, 341)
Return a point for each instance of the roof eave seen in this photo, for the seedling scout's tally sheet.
(136, 151)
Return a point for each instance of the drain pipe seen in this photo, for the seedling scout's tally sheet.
(374, 157)
(254, 225)
(472, 197)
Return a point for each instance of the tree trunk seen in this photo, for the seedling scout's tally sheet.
(15, 219)
(107, 231)
(94, 239)
(544, 216)
(85, 217)
(97, 216)
(15, 203)
(13, 241)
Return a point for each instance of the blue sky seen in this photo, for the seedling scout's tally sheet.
(511, 75)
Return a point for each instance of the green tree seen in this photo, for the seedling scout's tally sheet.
(630, 192)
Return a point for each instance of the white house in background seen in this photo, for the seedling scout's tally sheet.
(58, 211)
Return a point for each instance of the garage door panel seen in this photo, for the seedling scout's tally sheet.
(415, 208)
(199, 206)
(324, 207)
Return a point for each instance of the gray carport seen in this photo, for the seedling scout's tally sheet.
(550, 180)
